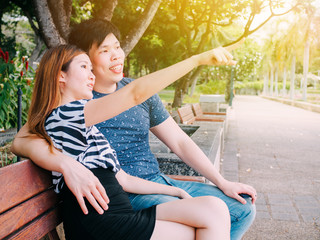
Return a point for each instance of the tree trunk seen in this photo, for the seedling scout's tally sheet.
(194, 79)
(305, 70)
(293, 70)
(127, 67)
(106, 8)
(271, 81)
(265, 84)
(276, 81)
(180, 91)
(49, 31)
(61, 11)
(140, 27)
(284, 82)
(37, 52)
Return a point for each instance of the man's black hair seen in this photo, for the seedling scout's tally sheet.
(91, 31)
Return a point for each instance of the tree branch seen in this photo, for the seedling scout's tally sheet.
(140, 27)
(60, 16)
(51, 35)
(105, 9)
(247, 32)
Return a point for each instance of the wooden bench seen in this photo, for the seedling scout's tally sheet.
(187, 116)
(197, 110)
(29, 208)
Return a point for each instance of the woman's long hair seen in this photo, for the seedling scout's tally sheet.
(46, 93)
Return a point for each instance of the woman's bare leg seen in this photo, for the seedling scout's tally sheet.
(208, 215)
(172, 231)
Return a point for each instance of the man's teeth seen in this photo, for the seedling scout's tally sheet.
(116, 67)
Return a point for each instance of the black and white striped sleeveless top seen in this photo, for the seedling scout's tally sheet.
(66, 127)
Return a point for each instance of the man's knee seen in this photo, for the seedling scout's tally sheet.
(247, 213)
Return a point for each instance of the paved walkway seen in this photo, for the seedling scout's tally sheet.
(276, 148)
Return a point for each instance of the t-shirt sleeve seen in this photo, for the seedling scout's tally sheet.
(158, 113)
(66, 125)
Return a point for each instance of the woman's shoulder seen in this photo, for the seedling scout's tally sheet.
(69, 110)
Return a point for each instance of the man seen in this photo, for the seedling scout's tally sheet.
(128, 135)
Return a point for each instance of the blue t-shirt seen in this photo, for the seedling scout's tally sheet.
(128, 134)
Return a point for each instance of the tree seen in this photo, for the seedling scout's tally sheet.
(292, 44)
(203, 24)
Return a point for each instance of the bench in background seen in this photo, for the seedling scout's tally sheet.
(187, 116)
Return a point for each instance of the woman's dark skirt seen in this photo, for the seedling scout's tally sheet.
(119, 222)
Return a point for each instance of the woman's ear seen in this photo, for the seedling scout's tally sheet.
(62, 77)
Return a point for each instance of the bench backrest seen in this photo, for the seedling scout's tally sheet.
(29, 208)
(186, 114)
(197, 110)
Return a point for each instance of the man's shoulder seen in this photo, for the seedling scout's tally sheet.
(124, 81)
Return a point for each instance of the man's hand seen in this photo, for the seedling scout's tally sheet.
(234, 189)
(83, 183)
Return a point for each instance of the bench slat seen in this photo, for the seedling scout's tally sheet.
(40, 227)
(186, 115)
(21, 181)
(24, 213)
(200, 115)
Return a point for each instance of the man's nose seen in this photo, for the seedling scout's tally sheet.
(115, 55)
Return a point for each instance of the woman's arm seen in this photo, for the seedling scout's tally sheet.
(81, 181)
(137, 185)
(144, 87)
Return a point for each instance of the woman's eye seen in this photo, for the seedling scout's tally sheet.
(84, 66)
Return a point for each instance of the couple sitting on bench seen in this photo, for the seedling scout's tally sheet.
(104, 152)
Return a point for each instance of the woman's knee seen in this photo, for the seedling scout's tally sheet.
(215, 206)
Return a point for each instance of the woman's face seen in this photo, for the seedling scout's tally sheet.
(77, 82)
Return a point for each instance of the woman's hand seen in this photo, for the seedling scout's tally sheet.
(183, 194)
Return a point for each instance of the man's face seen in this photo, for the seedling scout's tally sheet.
(107, 61)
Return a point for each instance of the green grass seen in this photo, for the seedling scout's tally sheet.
(168, 95)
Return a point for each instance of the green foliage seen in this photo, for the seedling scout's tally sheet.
(81, 10)
(212, 87)
(256, 86)
(14, 73)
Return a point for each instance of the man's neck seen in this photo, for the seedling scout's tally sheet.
(105, 88)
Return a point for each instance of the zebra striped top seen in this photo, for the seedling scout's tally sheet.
(66, 127)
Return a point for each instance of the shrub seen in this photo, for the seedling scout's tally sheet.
(14, 73)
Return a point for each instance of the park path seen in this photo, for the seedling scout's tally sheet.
(276, 148)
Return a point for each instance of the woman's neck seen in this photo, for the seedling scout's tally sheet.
(66, 99)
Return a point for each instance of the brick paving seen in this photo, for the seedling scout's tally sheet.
(276, 149)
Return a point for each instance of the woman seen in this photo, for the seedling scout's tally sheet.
(62, 113)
